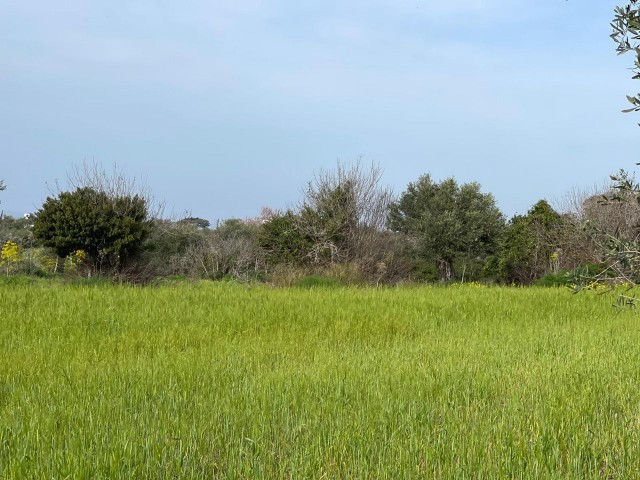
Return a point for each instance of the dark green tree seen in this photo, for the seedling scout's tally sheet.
(282, 240)
(529, 247)
(447, 222)
(109, 229)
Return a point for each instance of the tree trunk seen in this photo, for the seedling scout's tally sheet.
(445, 270)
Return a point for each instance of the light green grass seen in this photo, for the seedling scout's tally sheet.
(227, 381)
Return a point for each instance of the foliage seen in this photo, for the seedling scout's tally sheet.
(422, 269)
(342, 217)
(18, 230)
(230, 251)
(529, 247)
(614, 229)
(339, 224)
(45, 261)
(187, 249)
(9, 255)
(559, 279)
(583, 275)
(111, 230)
(616, 211)
(236, 248)
(76, 263)
(626, 33)
(620, 250)
(166, 248)
(447, 222)
(282, 240)
(327, 217)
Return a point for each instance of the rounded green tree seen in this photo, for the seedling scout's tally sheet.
(447, 222)
(109, 229)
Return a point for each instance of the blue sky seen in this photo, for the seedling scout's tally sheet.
(224, 107)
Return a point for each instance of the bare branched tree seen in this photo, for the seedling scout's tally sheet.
(613, 226)
(572, 202)
(343, 208)
(114, 183)
(589, 219)
(343, 213)
(231, 250)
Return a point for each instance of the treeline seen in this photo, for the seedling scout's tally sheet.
(348, 228)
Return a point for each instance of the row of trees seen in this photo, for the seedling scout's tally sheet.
(348, 226)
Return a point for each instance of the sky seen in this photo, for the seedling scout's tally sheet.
(222, 107)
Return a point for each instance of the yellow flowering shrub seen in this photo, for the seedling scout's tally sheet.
(47, 262)
(10, 254)
(74, 261)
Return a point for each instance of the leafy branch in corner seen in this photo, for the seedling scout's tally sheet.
(626, 33)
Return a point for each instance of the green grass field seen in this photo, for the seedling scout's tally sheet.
(228, 381)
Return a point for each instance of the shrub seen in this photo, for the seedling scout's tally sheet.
(111, 230)
(447, 223)
(229, 251)
(282, 241)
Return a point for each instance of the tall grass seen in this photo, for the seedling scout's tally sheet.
(227, 381)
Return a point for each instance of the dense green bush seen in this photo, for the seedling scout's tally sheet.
(571, 278)
(560, 279)
(282, 241)
(529, 246)
(110, 230)
(449, 224)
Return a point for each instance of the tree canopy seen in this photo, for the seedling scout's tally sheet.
(529, 244)
(110, 230)
(448, 222)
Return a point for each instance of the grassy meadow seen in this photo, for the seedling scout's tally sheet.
(228, 381)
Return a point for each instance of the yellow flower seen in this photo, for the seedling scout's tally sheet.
(10, 252)
(80, 255)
